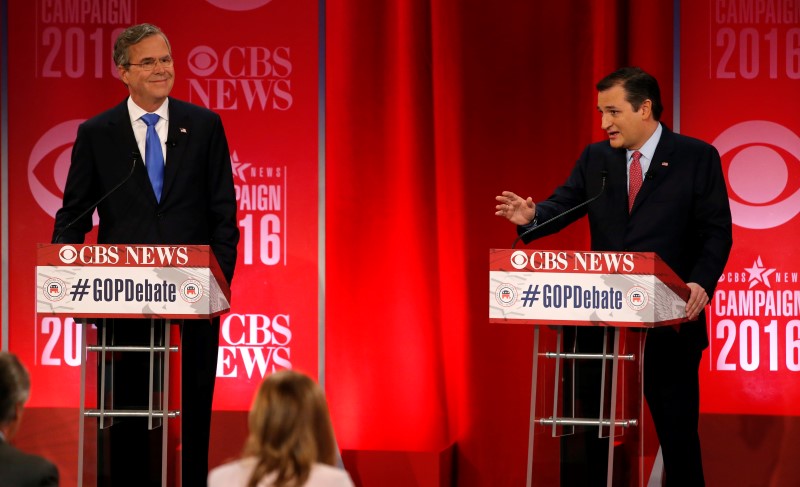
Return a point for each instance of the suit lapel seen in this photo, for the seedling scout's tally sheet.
(618, 179)
(125, 143)
(177, 140)
(659, 166)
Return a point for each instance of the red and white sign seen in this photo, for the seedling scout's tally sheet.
(558, 287)
(256, 63)
(129, 281)
(739, 70)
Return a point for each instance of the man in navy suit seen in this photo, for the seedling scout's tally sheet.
(193, 203)
(17, 468)
(661, 192)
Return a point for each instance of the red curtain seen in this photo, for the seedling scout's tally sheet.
(433, 108)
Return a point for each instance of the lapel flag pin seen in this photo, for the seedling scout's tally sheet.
(665, 164)
(183, 130)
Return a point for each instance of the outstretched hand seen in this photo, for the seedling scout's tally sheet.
(514, 208)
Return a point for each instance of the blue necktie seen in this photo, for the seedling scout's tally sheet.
(154, 158)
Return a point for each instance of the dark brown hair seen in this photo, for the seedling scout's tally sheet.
(638, 85)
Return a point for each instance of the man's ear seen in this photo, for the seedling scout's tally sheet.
(123, 74)
(10, 428)
(18, 409)
(647, 109)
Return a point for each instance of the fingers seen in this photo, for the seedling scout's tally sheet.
(507, 197)
(514, 208)
(508, 203)
(698, 299)
(505, 209)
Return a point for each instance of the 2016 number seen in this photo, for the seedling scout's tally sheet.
(269, 236)
(748, 335)
(68, 51)
(71, 342)
(749, 44)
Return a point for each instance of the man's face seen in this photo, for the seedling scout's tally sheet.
(626, 128)
(148, 89)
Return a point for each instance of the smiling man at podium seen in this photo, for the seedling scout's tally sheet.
(158, 171)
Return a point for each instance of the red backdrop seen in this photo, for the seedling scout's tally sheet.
(255, 62)
(434, 107)
(263, 84)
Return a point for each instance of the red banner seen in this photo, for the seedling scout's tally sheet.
(255, 62)
(739, 63)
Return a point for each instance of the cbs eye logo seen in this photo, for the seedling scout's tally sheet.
(759, 173)
(203, 61)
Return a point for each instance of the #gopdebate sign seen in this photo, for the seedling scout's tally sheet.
(129, 281)
(634, 289)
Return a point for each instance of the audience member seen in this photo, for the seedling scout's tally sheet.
(18, 469)
(291, 440)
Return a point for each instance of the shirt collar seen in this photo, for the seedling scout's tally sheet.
(648, 150)
(136, 112)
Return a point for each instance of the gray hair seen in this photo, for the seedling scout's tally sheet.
(15, 385)
(133, 35)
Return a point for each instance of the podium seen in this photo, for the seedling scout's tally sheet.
(613, 298)
(156, 282)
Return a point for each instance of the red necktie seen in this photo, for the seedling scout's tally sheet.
(635, 183)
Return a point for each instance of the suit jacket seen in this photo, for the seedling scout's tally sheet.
(18, 469)
(681, 212)
(236, 474)
(198, 203)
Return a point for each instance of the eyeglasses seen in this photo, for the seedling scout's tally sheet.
(149, 64)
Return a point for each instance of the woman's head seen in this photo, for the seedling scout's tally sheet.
(290, 428)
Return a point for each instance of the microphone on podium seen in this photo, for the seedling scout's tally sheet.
(136, 156)
(603, 174)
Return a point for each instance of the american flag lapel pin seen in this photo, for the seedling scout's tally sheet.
(183, 130)
(665, 164)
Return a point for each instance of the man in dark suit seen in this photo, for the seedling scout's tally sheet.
(192, 201)
(17, 468)
(661, 192)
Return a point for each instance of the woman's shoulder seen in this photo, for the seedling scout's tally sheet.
(233, 473)
(238, 472)
(326, 475)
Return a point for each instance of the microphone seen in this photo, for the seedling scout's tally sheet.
(171, 143)
(649, 175)
(136, 156)
(604, 175)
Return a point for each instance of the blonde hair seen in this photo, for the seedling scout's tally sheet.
(290, 429)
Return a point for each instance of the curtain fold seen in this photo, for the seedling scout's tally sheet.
(433, 108)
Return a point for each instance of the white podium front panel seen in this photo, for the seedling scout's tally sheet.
(584, 288)
(129, 281)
